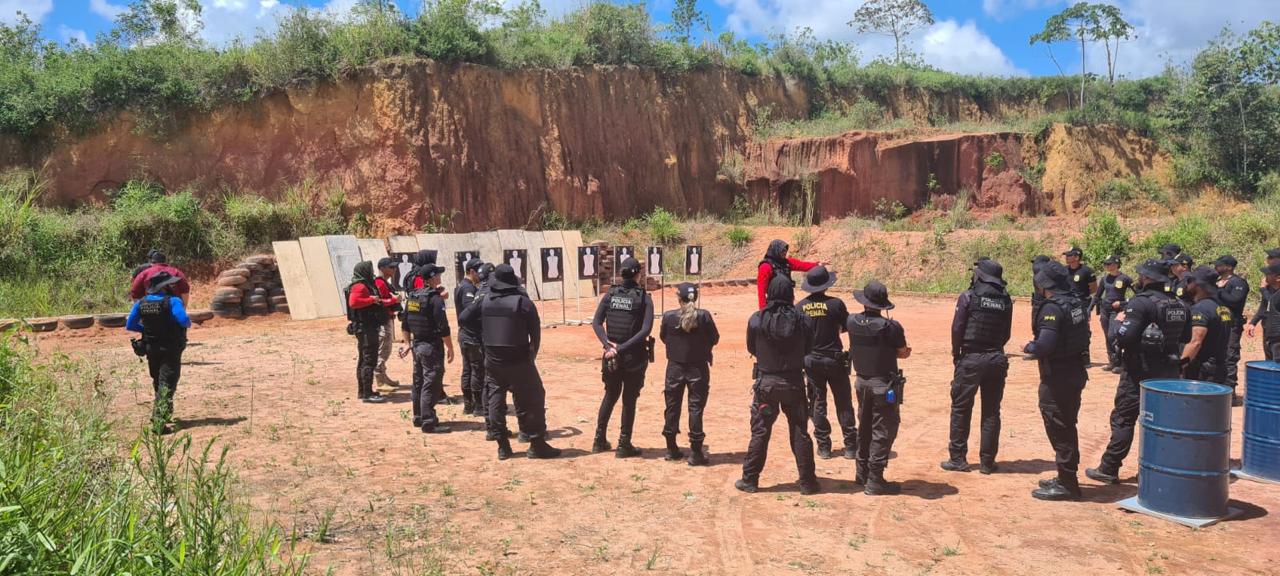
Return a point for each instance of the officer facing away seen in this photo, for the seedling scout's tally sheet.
(779, 337)
(1204, 357)
(1058, 348)
(1270, 334)
(623, 322)
(1112, 296)
(981, 327)
(424, 322)
(162, 320)
(1150, 335)
(827, 364)
(876, 344)
(511, 334)
(470, 342)
(688, 334)
(1269, 309)
(1037, 299)
(386, 332)
(1233, 292)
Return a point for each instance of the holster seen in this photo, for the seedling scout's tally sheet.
(843, 359)
(898, 382)
(649, 346)
(139, 346)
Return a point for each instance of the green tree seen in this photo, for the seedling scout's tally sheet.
(684, 17)
(895, 18)
(1085, 22)
(149, 21)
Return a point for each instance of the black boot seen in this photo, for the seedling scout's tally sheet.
(1103, 476)
(522, 437)
(955, 465)
(625, 449)
(1056, 491)
(877, 486)
(850, 453)
(748, 486)
(810, 487)
(824, 452)
(468, 408)
(861, 477)
(600, 444)
(540, 450)
(696, 456)
(504, 447)
(673, 451)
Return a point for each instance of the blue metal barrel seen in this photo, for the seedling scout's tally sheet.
(1262, 420)
(1185, 451)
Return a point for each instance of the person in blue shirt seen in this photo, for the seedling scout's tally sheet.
(162, 320)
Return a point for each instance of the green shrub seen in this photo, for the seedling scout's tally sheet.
(1103, 237)
(739, 237)
(663, 226)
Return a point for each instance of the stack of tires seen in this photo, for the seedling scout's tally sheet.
(252, 288)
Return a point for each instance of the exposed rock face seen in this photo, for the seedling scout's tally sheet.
(1078, 160)
(859, 172)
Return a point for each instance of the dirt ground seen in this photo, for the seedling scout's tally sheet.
(280, 394)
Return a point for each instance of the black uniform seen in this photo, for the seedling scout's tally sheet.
(826, 365)
(1064, 336)
(778, 337)
(1234, 295)
(511, 335)
(1081, 278)
(874, 342)
(472, 348)
(424, 318)
(1113, 289)
(367, 322)
(1150, 338)
(981, 327)
(688, 366)
(1209, 363)
(1268, 315)
(624, 317)
(166, 339)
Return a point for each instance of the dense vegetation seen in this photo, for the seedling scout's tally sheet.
(73, 500)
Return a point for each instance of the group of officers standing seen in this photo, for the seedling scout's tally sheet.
(1180, 321)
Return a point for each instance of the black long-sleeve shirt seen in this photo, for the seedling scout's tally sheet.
(1264, 305)
(1233, 296)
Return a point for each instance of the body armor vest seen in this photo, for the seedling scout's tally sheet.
(369, 315)
(869, 348)
(990, 319)
(1073, 331)
(687, 347)
(501, 322)
(1271, 316)
(158, 322)
(420, 313)
(779, 269)
(625, 314)
(778, 356)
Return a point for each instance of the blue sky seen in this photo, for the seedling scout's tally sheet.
(970, 36)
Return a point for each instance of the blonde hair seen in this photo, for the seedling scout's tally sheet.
(689, 315)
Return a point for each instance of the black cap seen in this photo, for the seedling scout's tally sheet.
(473, 264)
(874, 296)
(1170, 250)
(630, 267)
(990, 271)
(388, 263)
(1205, 277)
(1039, 261)
(160, 281)
(430, 271)
(1112, 259)
(1053, 276)
(687, 292)
(156, 257)
(485, 271)
(504, 278)
(1273, 253)
(1074, 251)
(1157, 270)
(1226, 260)
(818, 279)
(1273, 270)
(1183, 259)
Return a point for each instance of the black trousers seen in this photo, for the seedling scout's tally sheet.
(820, 373)
(521, 379)
(696, 377)
(1233, 353)
(878, 419)
(976, 372)
(1270, 345)
(1061, 385)
(1105, 318)
(366, 360)
(1124, 414)
(624, 384)
(473, 386)
(772, 394)
(428, 381)
(165, 365)
(1205, 371)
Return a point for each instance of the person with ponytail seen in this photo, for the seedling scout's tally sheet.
(688, 334)
(779, 338)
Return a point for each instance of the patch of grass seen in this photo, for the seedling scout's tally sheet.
(739, 237)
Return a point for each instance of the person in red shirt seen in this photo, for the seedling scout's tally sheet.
(386, 332)
(156, 263)
(776, 262)
(367, 311)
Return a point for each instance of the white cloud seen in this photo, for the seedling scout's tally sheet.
(68, 34)
(965, 49)
(1006, 9)
(36, 10)
(1176, 30)
(227, 20)
(106, 9)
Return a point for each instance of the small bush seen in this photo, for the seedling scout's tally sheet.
(1103, 237)
(663, 227)
(994, 160)
(739, 237)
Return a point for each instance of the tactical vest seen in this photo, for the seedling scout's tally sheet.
(1073, 330)
(688, 347)
(158, 322)
(501, 322)
(783, 269)
(1271, 316)
(625, 313)
(869, 348)
(420, 308)
(780, 356)
(373, 315)
(1162, 337)
(990, 319)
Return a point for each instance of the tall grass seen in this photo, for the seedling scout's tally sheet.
(74, 500)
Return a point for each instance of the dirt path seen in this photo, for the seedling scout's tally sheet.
(404, 503)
